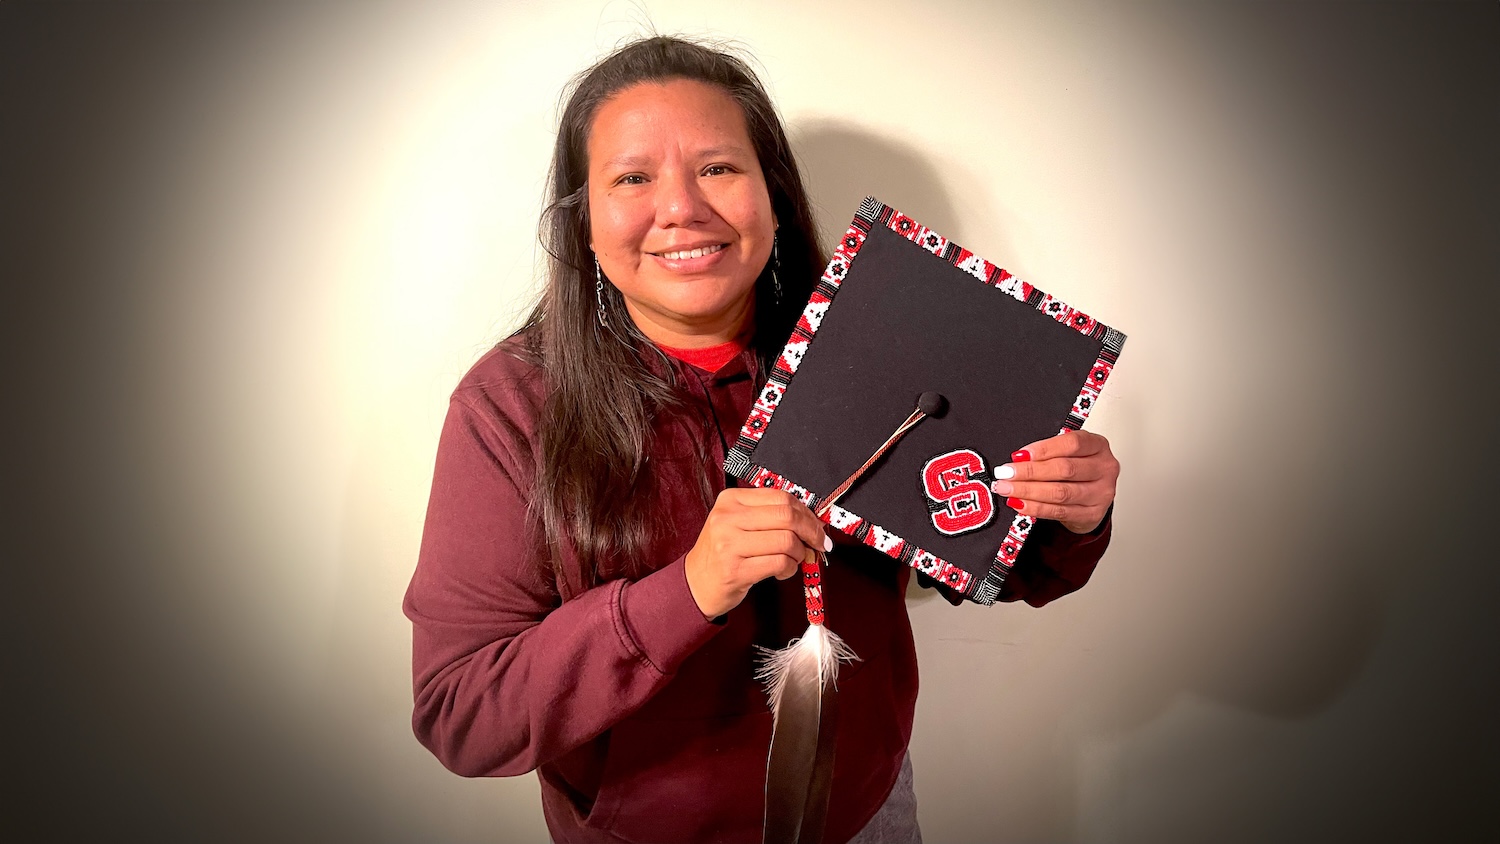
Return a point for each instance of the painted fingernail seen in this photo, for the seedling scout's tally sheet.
(827, 543)
(1002, 487)
(1015, 504)
(1020, 456)
(1005, 472)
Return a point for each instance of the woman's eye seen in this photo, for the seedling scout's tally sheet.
(717, 170)
(631, 179)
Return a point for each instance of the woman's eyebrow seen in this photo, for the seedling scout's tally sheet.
(627, 161)
(722, 151)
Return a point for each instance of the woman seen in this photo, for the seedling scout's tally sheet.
(591, 586)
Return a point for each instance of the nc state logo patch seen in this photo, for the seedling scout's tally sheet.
(956, 485)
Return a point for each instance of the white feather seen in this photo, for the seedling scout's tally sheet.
(812, 660)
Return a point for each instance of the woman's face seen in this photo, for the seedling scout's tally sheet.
(680, 218)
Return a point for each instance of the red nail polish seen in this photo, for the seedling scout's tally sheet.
(1014, 503)
(1020, 456)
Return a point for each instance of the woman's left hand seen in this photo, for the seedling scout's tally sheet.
(1069, 478)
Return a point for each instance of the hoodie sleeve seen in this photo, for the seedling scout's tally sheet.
(1054, 562)
(506, 675)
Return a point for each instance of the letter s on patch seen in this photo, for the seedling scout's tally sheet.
(958, 502)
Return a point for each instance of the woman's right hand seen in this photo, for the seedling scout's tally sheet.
(751, 534)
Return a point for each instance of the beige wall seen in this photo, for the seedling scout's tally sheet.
(296, 228)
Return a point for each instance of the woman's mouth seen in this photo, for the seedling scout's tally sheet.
(685, 254)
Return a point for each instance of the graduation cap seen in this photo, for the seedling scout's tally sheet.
(916, 368)
(902, 311)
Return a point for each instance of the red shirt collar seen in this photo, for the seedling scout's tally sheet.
(710, 359)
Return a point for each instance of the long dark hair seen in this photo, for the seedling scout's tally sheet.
(596, 486)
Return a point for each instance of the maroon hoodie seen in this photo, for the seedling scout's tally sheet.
(641, 718)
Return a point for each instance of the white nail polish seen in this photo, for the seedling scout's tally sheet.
(827, 543)
(1005, 473)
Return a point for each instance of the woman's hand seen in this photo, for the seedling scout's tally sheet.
(1069, 478)
(750, 535)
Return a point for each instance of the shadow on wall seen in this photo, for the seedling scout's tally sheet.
(841, 165)
(1265, 600)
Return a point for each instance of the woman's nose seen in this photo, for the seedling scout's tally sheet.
(680, 200)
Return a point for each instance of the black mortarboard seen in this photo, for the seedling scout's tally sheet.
(904, 317)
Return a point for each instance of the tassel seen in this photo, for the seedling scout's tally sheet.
(801, 683)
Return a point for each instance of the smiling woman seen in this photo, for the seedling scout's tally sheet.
(592, 587)
(680, 217)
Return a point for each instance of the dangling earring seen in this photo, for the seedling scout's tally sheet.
(775, 265)
(599, 293)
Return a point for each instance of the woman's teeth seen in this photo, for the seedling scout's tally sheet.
(692, 253)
